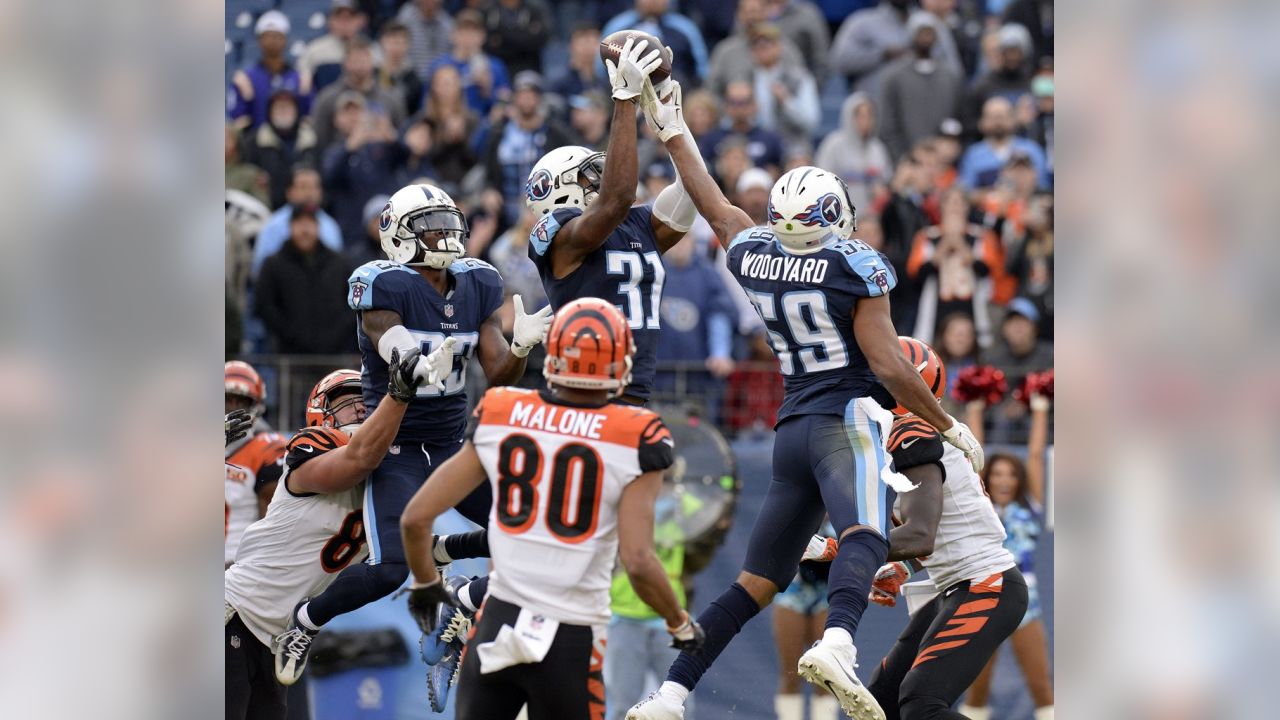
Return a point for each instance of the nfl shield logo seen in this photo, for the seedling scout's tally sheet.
(448, 311)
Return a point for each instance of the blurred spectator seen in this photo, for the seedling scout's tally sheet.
(1020, 350)
(902, 216)
(731, 162)
(322, 59)
(396, 74)
(1009, 78)
(239, 174)
(285, 141)
(1031, 260)
(244, 219)
(731, 59)
(949, 144)
(371, 249)
(304, 190)
(1040, 129)
(701, 116)
(689, 51)
(484, 78)
(715, 18)
(1037, 17)
(868, 41)
(919, 92)
(429, 30)
(589, 116)
(787, 93)
(517, 32)
(655, 176)
(485, 215)
(957, 348)
(585, 71)
(947, 24)
(981, 164)
(301, 292)
(764, 147)
(251, 87)
(510, 255)
(359, 164)
(417, 145)
(454, 123)
(855, 153)
(802, 23)
(357, 76)
(1004, 211)
(518, 140)
(952, 262)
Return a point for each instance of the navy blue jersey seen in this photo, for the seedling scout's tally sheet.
(806, 303)
(626, 271)
(434, 416)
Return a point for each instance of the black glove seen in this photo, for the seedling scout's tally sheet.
(237, 424)
(403, 385)
(424, 603)
(689, 636)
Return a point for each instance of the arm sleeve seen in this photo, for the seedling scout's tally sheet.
(657, 449)
(913, 442)
(311, 443)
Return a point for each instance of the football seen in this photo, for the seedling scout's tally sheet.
(611, 48)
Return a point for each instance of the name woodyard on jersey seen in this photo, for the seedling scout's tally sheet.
(786, 269)
(552, 418)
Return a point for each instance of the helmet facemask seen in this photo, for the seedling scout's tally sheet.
(439, 233)
(340, 401)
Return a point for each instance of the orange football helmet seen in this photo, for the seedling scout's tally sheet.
(589, 347)
(323, 403)
(926, 362)
(241, 380)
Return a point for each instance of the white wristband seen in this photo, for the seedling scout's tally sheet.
(395, 338)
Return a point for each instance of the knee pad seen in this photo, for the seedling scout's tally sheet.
(386, 578)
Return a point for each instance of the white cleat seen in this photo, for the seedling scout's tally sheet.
(657, 707)
(831, 665)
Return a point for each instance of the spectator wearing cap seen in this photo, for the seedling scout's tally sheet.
(952, 32)
(322, 59)
(239, 173)
(589, 118)
(251, 87)
(518, 140)
(301, 292)
(869, 40)
(763, 147)
(484, 77)
(371, 249)
(357, 77)
(918, 91)
(453, 154)
(949, 143)
(689, 50)
(855, 153)
(1031, 259)
(517, 32)
(1019, 352)
(305, 190)
(285, 141)
(585, 72)
(430, 28)
(802, 23)
(360, 163)
(1010, 78)
(396, 74)
(731, 60)
(1037, 17)
(787, 93)
(981, 164)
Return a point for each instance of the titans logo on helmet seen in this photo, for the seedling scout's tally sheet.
(384, 221)
(774, 215)
(826, 211)
(539, 185)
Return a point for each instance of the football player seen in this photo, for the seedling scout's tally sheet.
(823, 297)
(589, 241)
(575, 477)
(252, 461)
(313, 529)
(427, 297)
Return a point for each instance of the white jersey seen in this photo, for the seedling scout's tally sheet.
(301, 545)
(970, 540)
(558, 472)
(241, 507)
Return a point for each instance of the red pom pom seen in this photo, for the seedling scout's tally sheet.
(980, 382)
(1040, 383)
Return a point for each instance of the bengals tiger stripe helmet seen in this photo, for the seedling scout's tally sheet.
(589, 347)
(324, 403)
(241, 380)
(926, 362)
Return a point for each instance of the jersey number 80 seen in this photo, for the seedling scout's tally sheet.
(520, 471)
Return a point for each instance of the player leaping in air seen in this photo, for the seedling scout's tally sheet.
(425, 297)
(823, 297)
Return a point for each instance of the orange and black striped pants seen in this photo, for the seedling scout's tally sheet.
(946, 644)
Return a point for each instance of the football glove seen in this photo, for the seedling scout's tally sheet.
(403, 385)
(627, 76)
(688, 636)
(425, 601)
(888, 582)
(821, 549)
(237, 424)
(962, 437)
(528, 330)
(662, 109)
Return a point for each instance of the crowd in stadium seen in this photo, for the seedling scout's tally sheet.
(938, 116)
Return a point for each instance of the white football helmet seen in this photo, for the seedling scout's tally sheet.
(566, 177)
(420, 225)
(809, 208)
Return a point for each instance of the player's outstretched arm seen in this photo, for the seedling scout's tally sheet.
(635, 548)
(920, 509)
(446, 487)
(504, 363)
(1037, 442)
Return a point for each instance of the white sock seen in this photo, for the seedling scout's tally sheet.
(464, 597)
(1044, 713)
(840, 636)
(305, 620)
(438, 552)
(674, 691)
(789, 707)
(824, 708)
(975, 713)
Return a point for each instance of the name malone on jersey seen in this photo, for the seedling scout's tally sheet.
(787, 269)
(552, 418)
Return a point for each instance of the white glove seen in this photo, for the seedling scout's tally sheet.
(665, 117)
(437, 366)
(628, 75)
(821, 549)
(528, 330)
(962, 437)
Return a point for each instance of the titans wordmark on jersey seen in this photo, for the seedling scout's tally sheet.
(435, 416)
(807, 304)
(626, 271)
